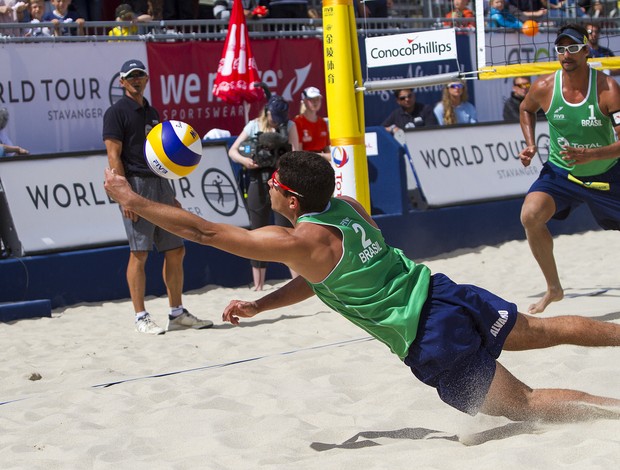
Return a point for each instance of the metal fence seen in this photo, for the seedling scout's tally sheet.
(216, 30)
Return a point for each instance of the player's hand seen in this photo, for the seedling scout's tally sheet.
(239, 309)
(130, 215)
(574, 156)
(527, 154)
(118, 189)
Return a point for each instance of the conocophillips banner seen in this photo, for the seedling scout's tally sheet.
(415, 47)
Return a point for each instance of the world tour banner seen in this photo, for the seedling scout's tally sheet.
(473, 163)
(183, 75)
(59, 203)
(56, 94)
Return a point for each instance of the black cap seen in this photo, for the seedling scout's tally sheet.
(130, 66)
(278, 108)
(573, 35)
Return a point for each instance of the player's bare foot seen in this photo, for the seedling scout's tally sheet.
(552, 295)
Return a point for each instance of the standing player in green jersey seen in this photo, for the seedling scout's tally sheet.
(583, 110)
(449, 335)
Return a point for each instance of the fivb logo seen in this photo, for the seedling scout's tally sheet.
(425, 46)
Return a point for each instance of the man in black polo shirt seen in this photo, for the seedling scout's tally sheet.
(125, 126)
(409, 114)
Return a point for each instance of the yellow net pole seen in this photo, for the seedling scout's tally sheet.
(345, 104)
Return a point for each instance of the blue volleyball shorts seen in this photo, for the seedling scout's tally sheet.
(461, 333)
(568, 194)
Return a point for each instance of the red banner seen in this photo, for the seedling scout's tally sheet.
(182, 77)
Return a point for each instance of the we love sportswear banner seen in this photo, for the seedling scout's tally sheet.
(183, 76)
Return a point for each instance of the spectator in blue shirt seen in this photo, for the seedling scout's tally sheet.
(61, 15)
(501, 17)
(454, 107)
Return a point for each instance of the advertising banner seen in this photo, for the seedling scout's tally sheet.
(59, 203)
(56, 94)
(343, 161)
(183, 75)
(473, 163)
(379, 104)
(415, 47)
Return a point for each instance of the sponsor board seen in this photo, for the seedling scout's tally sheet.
(343, 161)
(183, 76)
(415, 47)
(57, 94)
(59, 203)
(473, 163)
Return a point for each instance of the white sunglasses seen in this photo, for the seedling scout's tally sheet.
(573, 48)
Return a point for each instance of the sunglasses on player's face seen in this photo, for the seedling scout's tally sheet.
(573, 48)
(282, 186)
(456, 86)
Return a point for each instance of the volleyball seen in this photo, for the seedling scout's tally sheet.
(530, 28)
(172, 149)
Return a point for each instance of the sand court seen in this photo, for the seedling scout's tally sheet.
(296, 388)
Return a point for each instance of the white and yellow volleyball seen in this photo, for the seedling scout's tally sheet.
(173, 149)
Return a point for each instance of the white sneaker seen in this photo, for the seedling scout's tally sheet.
(148, 326)
(187, 320)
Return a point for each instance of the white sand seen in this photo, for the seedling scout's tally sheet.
(336, 401)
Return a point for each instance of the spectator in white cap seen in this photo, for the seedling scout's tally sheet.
(312, 128)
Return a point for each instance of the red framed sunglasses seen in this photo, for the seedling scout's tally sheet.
(279, 184)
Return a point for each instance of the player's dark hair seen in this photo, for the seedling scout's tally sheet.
(309, 174)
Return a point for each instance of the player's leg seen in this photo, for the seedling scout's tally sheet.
(511, 398)
(535, 333)
(136, 279)
(537, 210)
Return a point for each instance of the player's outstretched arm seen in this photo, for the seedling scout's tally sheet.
(291, 293)
(270, 243)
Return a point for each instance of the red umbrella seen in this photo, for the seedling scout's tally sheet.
(237, 72)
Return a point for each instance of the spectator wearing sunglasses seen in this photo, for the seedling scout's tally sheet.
(583, 110)
(125, 126)
(520, 87)
(409, 114)
(454, 107)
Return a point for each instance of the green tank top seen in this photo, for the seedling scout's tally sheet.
(373, 285)
(578, 125)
